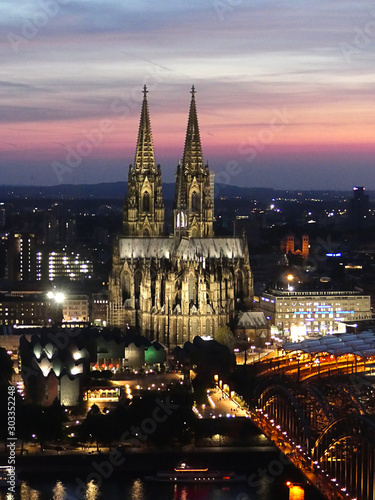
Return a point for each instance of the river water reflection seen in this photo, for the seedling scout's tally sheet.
(127, 488)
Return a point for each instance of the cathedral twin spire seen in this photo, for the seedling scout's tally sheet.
(193, 213)
(192, 159)
(144, 153)
(144, 208)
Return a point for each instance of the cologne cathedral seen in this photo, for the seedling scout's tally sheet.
(171, 288)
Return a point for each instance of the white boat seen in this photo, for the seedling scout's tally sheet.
(186, 474)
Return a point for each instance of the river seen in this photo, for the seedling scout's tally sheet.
(135, 488)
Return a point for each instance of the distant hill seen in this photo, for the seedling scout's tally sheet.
(109, 190)
(117, 190)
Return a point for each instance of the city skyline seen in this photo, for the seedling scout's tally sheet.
(284, 92)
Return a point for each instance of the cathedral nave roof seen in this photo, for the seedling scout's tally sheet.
(187, 249)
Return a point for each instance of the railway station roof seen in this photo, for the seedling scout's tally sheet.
(361, 344)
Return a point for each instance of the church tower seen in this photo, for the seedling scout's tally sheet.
(144, 207)
(173, 288)
(193, 212)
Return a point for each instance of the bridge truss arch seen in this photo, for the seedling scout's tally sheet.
(281, 406)
(346, 452)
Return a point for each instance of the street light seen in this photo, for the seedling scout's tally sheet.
(56, 296)
(59, 297)
(290, 278)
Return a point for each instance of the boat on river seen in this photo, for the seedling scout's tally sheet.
(183, 473)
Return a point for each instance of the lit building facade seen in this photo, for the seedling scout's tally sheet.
(54, 366)
(52, 265)
(173, 288)
(28, 309)
(296, 314)
(21, 264)
(76, 308)
(99, 309)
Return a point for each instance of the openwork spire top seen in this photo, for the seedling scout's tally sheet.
(192, 160)
(144, 154)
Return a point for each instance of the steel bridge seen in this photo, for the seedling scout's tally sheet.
(326, 427)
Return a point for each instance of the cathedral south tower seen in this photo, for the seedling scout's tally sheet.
(144, 206)
(193, 213)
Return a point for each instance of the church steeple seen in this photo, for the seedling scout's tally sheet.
(144, 154)
(192, 159)
(144, 206)
(193, 214)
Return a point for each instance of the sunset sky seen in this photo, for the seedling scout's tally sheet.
(285, 89)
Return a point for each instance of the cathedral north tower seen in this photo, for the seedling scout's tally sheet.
(144, 206)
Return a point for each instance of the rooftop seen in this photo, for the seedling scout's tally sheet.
(187, 249)
(252, 319)
(361, 344)
(289, 293)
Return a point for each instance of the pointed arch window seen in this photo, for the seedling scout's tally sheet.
(195, 202)
(126, 286)
(192, 287)
(239, 285)
(153, 275)
(146, 202)
(137, 286)
(162, 292)
(181, 219)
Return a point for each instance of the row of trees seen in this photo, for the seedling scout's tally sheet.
(34, 423)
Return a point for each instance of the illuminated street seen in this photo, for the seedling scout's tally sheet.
(220, 405)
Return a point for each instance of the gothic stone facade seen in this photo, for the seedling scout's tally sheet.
(172, 288)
